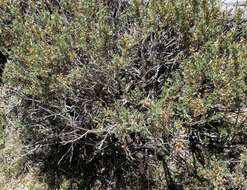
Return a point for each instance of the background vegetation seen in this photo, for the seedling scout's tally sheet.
(123, 94)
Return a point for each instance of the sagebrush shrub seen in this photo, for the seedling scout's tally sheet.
(128, 94)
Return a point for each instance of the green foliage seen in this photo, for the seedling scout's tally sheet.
(109, 89)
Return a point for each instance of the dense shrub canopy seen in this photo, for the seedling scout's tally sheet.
(127, 94)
